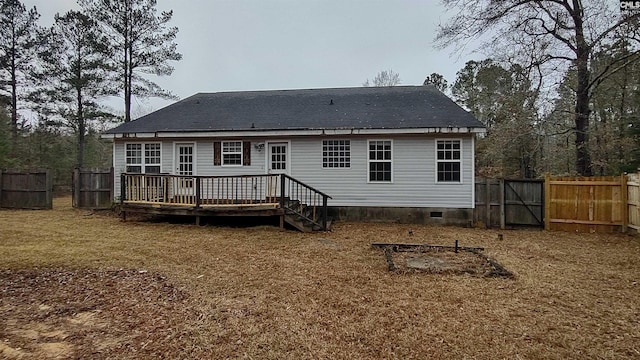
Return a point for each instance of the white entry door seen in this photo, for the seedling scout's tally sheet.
(278, 158)
(184, 167)
(277, 163)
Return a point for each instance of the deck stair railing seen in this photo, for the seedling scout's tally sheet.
(304, 201)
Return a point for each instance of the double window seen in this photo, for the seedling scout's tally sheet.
(143, 158)
(380, 166)
(336, 153)
(448, 160)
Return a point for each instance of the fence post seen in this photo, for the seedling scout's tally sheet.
(112, 184)
(625, 201)
(502, 205)
(75, 191)
(547, 201)
(49, 190)
(487, 202)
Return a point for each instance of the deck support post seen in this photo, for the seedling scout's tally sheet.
(282, 187)
(123, 188)
(324, 213)
(123, 195)
(197, 220)
(502, 205)
(281, 221)
(197, 193)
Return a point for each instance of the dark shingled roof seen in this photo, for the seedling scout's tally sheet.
(396, 107)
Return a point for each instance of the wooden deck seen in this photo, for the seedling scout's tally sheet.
(244, 195)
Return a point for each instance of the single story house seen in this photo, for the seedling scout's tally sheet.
(402, 153)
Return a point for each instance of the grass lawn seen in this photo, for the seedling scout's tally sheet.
(76, 284)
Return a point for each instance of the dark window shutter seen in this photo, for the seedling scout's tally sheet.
(246, 153)
(217, 153)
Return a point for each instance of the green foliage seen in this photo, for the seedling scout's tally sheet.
(438, 81)
(502, 99)
(19, 42)
(141, 42)
(616, 111)
(5, 139)
(74, 76)
(550, 37)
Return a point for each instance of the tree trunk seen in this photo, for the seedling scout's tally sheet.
(582, 111)
(81, 129)
(128, 74)
(14, 101)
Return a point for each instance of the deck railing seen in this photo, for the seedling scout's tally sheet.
(199, 191)
(210, 191)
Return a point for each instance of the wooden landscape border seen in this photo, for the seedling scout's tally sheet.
(389, 248)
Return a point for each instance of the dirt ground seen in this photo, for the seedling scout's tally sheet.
(81, 284)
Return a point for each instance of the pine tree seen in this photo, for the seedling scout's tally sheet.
(18, 47)
(74, 76)
(142, 44)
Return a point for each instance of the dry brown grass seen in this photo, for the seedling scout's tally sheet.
(266, 293)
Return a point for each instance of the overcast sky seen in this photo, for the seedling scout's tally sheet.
(284, 44)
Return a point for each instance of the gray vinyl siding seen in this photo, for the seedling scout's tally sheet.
(413, 166)
(414, 177)
(203, 159)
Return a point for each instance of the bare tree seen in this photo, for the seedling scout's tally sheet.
(549, 35)
(384, 78)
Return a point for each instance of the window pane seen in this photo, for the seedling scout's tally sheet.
(336, 153)
(152, 153)
(152, 169)
(232, 152)
(449, 171)
(232, 159)
(133, 154)
(380, 171)
(380, 160)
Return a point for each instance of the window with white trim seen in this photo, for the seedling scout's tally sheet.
(336, 153)
(143, 161)
(448, 160)
(380, 166)
(232, 153)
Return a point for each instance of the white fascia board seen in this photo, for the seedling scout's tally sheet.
(312, 132)
(129, 136)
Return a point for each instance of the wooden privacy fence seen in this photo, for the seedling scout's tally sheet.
(92, 188)
(506, 202)
(589, 204)
(575, 204)
(26, 190)
(633, 201)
